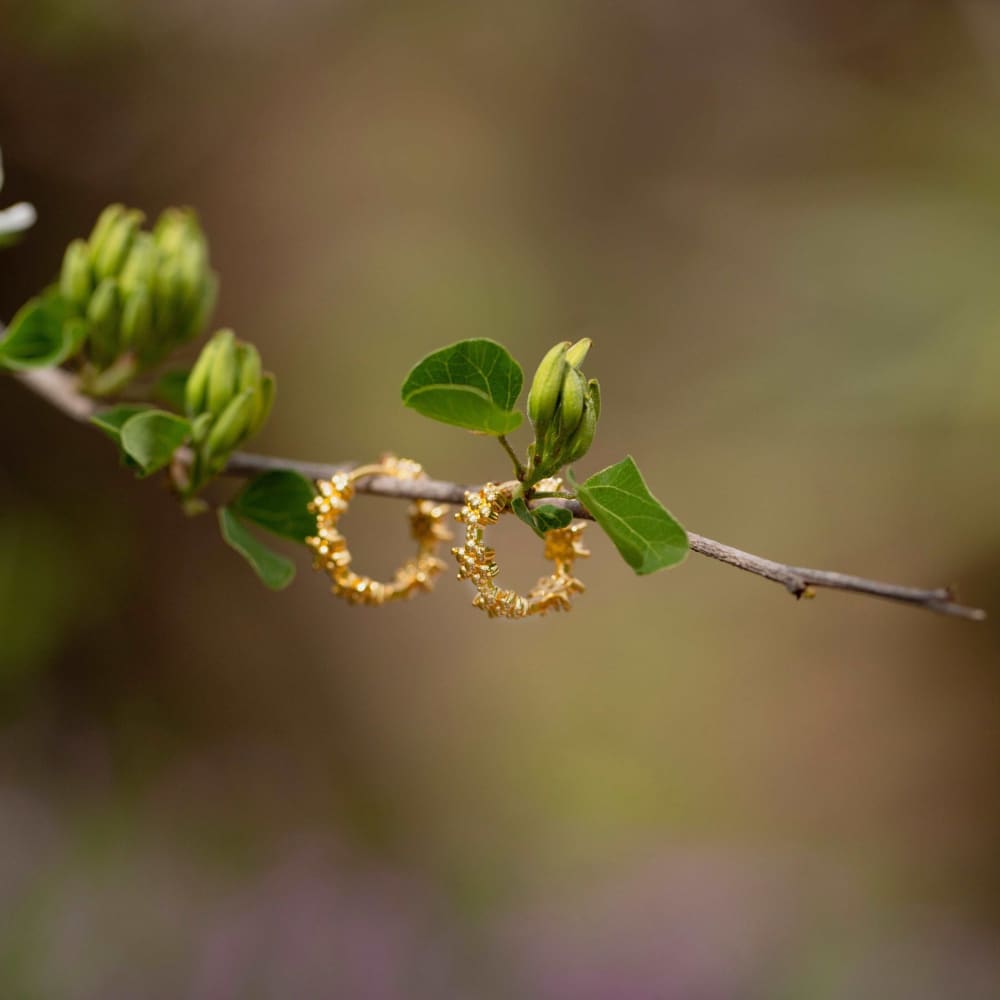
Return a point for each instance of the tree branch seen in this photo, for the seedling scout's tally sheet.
(59, 389)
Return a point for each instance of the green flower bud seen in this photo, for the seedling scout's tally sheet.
(200, 427)
(263, 401)
(577, 354)
(168, 305)
(231, 427)
(76, 280)
(583, 437)
(248, 363)
(139, 269)
(104, 317)
(174, 228)
(543, 397)
(187, 286)
(192, 259)
(223, 377)
(137, 318)
(196, 387)
(594, 394)
(574, 393)
(105, 223)
(203, 307)
(110, 257)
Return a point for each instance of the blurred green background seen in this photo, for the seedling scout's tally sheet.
(780, 224)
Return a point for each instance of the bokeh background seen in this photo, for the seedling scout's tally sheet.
(780, 223)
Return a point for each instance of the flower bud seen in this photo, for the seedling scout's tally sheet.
(76, 281)
(594, 393)
(232, 425)
(543, 397)
(174, 228)
(186, 286)
(583, 437)
(167, 305)
(109, 258)
(572, 398)
(137, 318)
(105, 222)
(196, 387)
(200, 426)
(263, 401)
(139, 269)
(248, 363)
(577, 354)
(103, 317)
(222, 379)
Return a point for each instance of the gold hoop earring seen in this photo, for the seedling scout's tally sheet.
(477, 562)
(333, 556)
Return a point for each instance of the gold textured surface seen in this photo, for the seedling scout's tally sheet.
(334, 557)
(477, 562)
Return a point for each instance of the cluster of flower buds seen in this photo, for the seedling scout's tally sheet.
(563, 406)
(142, 294)
(227, 398)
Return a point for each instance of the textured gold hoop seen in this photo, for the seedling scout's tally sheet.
(477, 562)
(330, 546)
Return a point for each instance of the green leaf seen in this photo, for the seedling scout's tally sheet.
(150, 438)
(543, 518)
(472, 384)
(642, 529)
(170, 387)
(42, 333)
(275, 571)
(278, 501)
(112, 420)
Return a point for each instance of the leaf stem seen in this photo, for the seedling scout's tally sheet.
(518, 467)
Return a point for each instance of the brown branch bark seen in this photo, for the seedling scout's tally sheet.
(58, 388)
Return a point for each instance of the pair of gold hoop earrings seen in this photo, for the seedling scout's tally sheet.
(476, 562)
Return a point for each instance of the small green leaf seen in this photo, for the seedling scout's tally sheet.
(150, 438)
(543, 518)
(275, 571)
(472, 384)
(112, 420)
(643, 531)
(170, 387)
(42, 333)
(278, 501)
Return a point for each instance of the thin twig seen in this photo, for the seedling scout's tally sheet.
(59, 388)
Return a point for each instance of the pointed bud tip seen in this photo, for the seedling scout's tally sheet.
(577, 354)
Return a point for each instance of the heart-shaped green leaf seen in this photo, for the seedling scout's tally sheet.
(472, 384)
(43, 333)
(543, 518)
(278, 500)
(150, 438)
(275, 571)
(643, 531)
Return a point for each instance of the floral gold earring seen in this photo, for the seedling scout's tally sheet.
(477, 562)
(333, 556)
